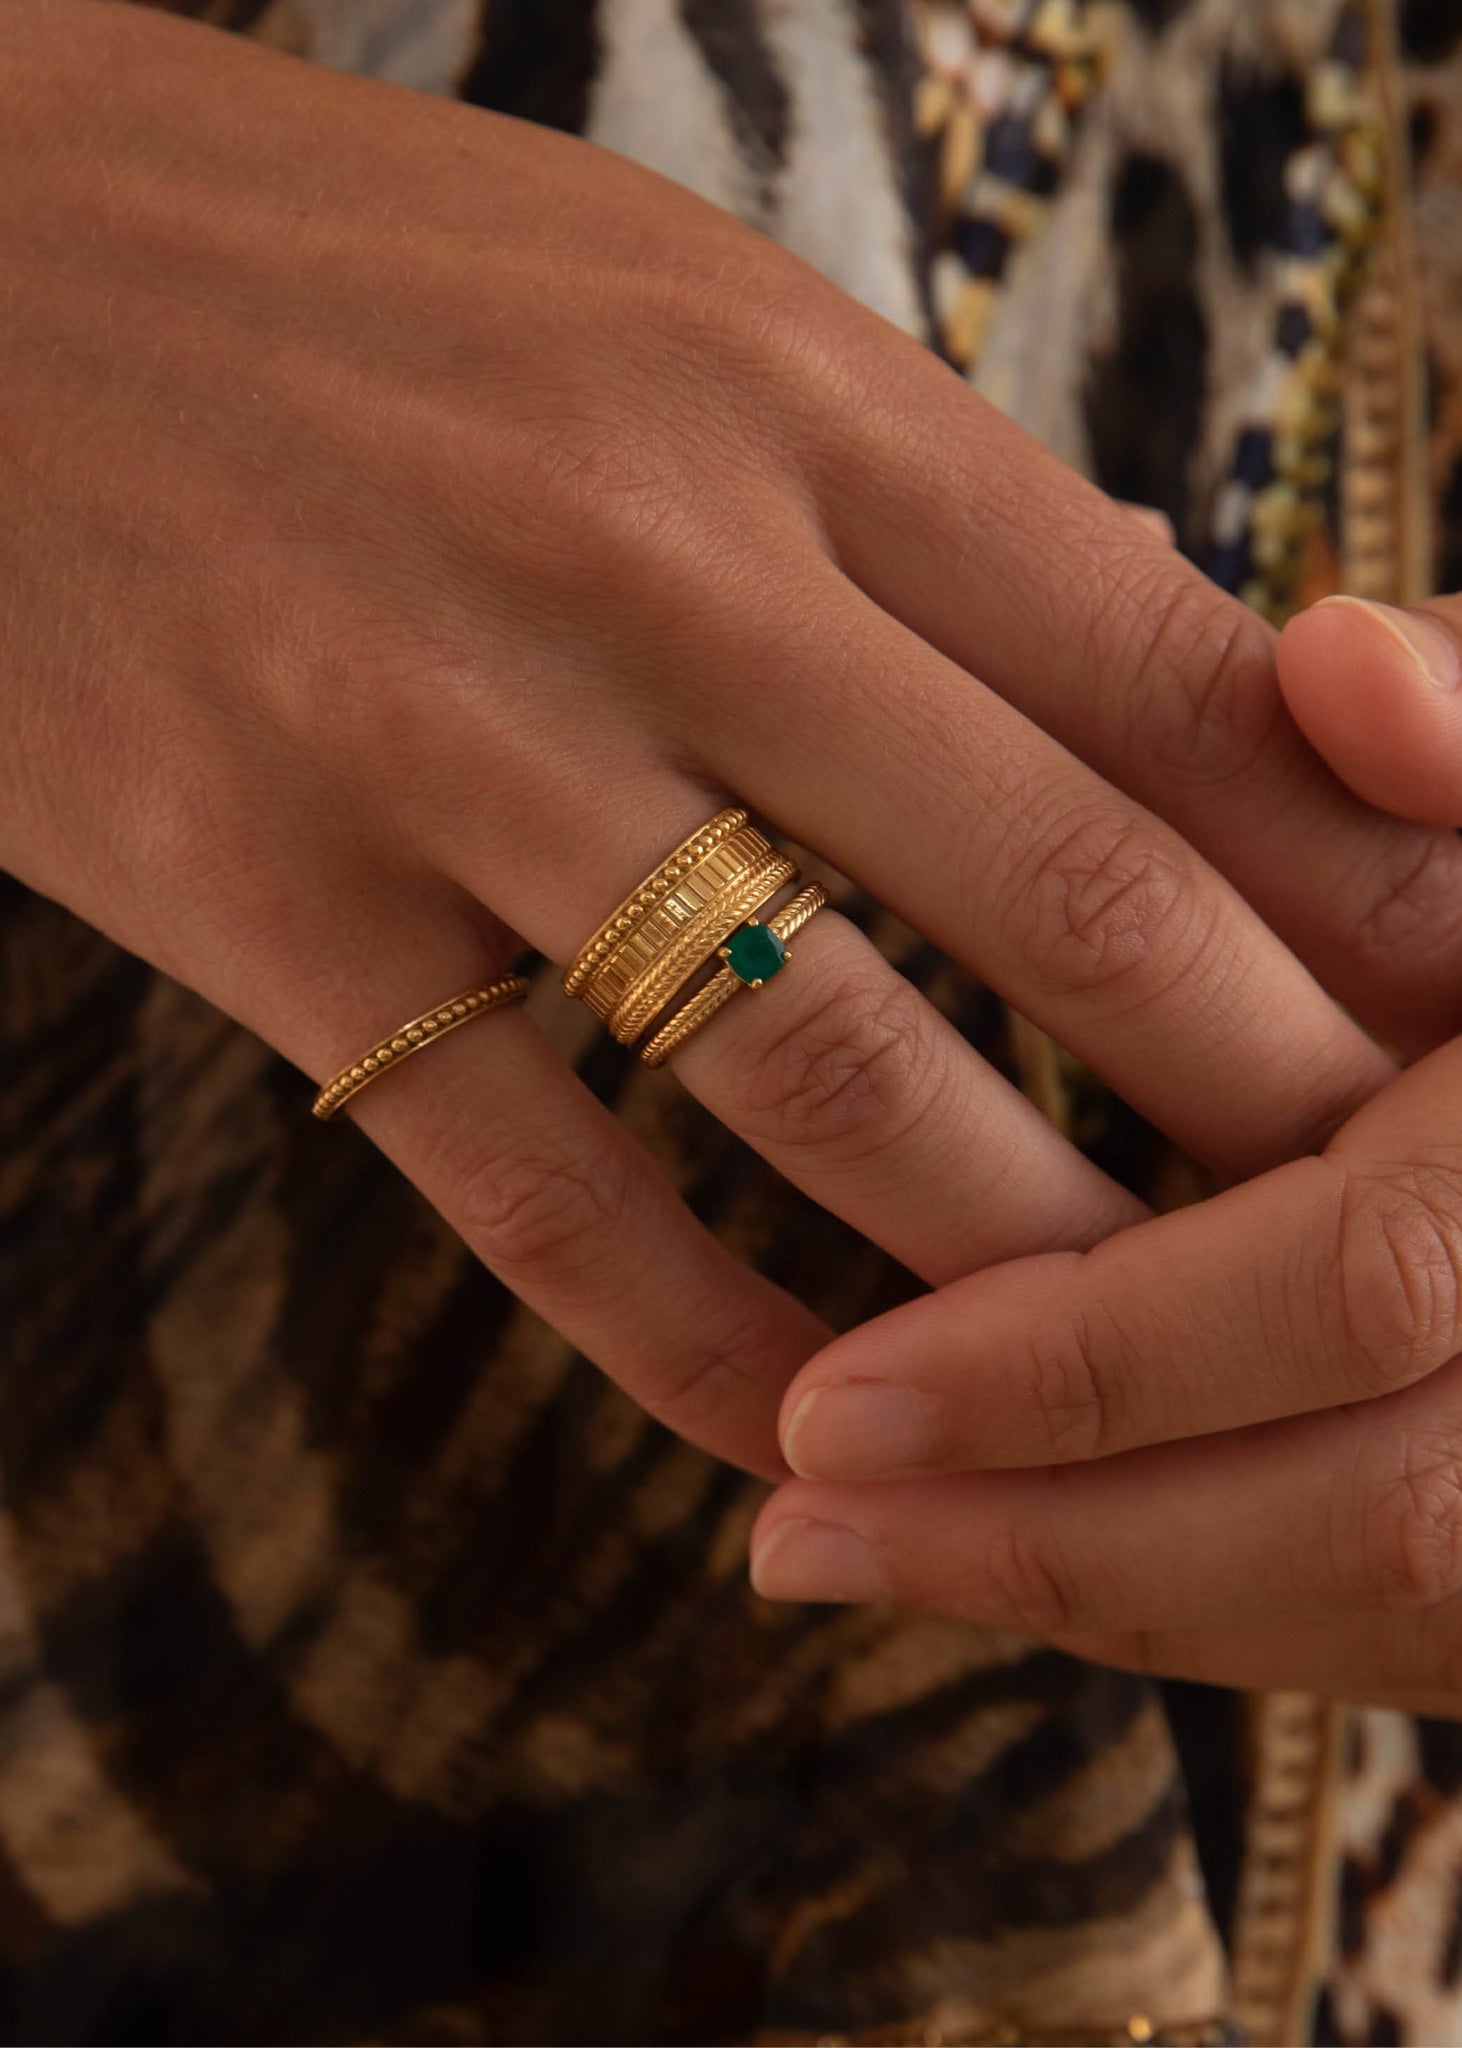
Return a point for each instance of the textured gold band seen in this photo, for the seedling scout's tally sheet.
(717, 992)
(667, 975)
(722, 867)
(621, 922)
(421, 1031)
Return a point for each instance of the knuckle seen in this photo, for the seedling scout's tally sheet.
(1028, 1587)
(1413, 899)
(603, 492)
(532, 1212)
(1411, 1527)
(759, 323)
(854, 1073)
(693, 1394)
(1207, 701)
(1098, 901)
(1068, 1393)
(1400, 1270)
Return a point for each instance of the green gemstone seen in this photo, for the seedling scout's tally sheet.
(755, 952)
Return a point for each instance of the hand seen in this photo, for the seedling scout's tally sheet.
(416, 522)
(1245, 1418)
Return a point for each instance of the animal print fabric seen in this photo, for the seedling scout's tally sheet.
(370, 1669)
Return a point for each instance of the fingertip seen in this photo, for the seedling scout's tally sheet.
(788, 1502)
(1375, 691)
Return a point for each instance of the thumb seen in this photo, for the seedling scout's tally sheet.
(1378, 692)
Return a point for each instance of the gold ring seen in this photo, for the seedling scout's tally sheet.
(733, 977)
(663, 980)
(725, 865)
(413, 1037)
(617, 927)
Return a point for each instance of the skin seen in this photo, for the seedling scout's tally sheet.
(1226, 1443)
(416, 522)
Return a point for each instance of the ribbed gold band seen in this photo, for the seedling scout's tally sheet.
(617, 927)
(724, 866)
(717, 992)
(420, 1032)
(667, 975)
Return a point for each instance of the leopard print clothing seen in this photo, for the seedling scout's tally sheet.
(370, 1669)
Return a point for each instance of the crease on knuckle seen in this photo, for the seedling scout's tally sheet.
(1069, 1392)
(1399, 1267)
(692, 1394)
(533, 1213)
(1099, 902)
(1411, 1529)
(1029, 1593)
(1209, 699)
(1416, 898)
(854, 1075)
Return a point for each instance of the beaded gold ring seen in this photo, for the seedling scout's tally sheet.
(616, 928)
(421, 1032)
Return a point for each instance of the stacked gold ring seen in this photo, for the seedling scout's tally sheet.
(667, 975)
(611, 935)
(681, 909)
(699, 903)
(717, 992)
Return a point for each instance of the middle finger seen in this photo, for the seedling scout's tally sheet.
(1089, 914)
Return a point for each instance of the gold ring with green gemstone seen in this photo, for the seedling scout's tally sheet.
(660, 981)
(702, 903)
(753, 954)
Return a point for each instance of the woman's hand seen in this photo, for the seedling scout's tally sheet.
(1246, 1417)
(414, 523)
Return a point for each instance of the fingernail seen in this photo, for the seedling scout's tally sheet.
(1433, 650)
(816, 1561)
(859, 1428)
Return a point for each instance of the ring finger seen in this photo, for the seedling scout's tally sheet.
(848, 1081)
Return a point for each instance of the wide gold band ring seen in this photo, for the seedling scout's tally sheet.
(592, 959)
(702, 901)
(702, 938)
(736, 975)
(421, 1032)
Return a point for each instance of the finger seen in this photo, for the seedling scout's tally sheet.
(1329, 1280)
(1412, 1662)
(1152, 521)
(1354, 1510)
(988, 547)
(1089, 915)
(839, 1072)
(543, 1183)
(1378, 692)
(860, 1093)
(574, 1216)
